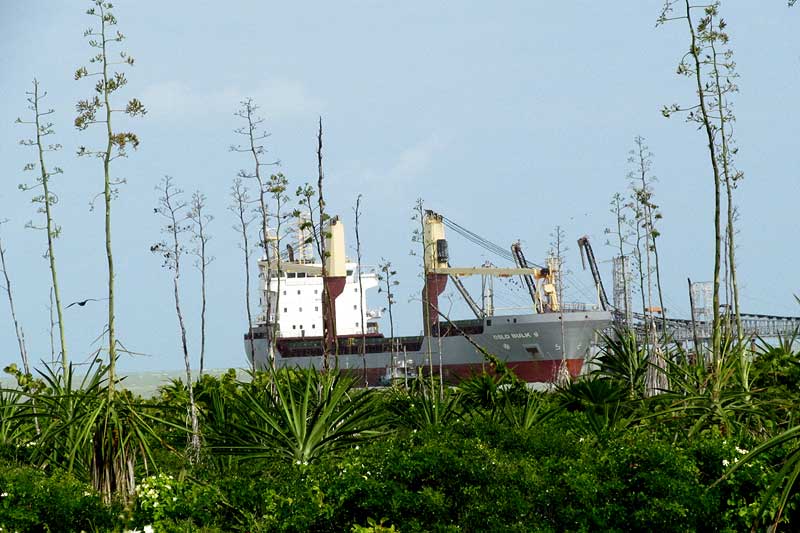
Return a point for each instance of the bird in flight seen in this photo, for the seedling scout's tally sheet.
(81, 303)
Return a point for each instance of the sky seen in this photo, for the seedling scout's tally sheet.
(510, 118)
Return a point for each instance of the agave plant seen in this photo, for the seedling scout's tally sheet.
(623, 359)
(523, 415)
(424, 404)
(12, 432)
(90, 432)
(309, 415)
(778, 365)
(603, 403)
(718, 394)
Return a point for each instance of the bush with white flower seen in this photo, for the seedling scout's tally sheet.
(163, 500)
(156, 497)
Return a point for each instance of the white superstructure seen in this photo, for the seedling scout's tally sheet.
(296, 301)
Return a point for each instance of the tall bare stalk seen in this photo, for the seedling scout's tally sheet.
(51, 329)
(357, 211)
(714, 75)
(113, 453)
(305, 215)
(173, 209)
(638, 254)
(557, 251)
(648, 214)
(240, 202)
(418, 236)
(386, 276)
(116, 143)
(46, 199)
(254, 135)
(622, 234)
(23, 352)
(327, 301)
(200, 221)
(276, 187)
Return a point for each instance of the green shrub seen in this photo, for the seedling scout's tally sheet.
(30, 500)
(167, 502)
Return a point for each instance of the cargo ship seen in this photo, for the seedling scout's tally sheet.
(315, 314)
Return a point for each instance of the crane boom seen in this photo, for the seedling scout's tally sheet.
(467, 298)
(586, 250)
(519, 259)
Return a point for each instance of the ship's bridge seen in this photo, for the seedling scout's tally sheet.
(296, 300)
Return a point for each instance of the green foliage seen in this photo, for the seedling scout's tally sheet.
(299, 417)
(87, 432)
(777, 367)
(12, 433)
(602, 404)
(175, 504)
(424, 404)
(295, 450)
(624, 360)
(739, 490)
(781, 492)
(717, 395)
(31, 500)
(374, 526)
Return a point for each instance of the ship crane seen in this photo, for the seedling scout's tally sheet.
(519, 260)
(473, 306)
(587, 255)
(438, 271)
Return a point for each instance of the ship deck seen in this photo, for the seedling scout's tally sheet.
(373, 343)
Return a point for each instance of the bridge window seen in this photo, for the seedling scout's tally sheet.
(292, 275)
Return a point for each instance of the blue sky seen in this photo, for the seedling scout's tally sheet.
(509, 118)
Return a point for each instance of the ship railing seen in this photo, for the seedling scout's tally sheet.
(567, 307)
(578, 307)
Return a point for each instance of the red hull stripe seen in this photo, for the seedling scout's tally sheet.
(543, 371)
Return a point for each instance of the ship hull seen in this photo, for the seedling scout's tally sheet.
(531, 346)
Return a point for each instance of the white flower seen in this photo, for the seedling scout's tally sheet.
(3, 495)
(356, 446)
(741, 451)
(725, 463)
(148, 529)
